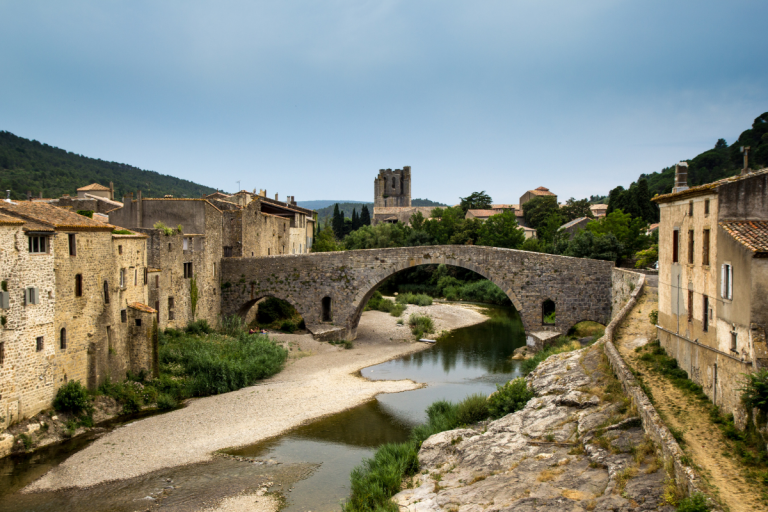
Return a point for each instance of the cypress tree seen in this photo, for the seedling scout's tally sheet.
(338, 222)
(365, 216)
(355, 219)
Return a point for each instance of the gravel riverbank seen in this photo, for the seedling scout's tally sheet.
(320, 379)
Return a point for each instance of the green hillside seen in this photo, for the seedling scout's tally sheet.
(28, 165)
(719, 162)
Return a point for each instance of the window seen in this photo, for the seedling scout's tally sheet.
(39, 343)
(228, 252)
(146, 275)
(185, 243)
(734, 341)
(119, 249)
(122, 278)
(188, 270)
(706, 207)
(705, 316)
(123, 315)
(106, 292)
(109, 339)
(72, 244)
(548, 312)
(157, 280)
(63, 339)
(690, 208)
(5, 300)
(705, 248)
(326, 305)
(79, 285)
(31, 296)
(675, 240)
(135, 277)
(169, 246)
(2, 352)
(690, 246)
(170, 308)
(138, 322)
(157, 308)
(726, 281)
(214, 268)
(690, 305)
(37, 244)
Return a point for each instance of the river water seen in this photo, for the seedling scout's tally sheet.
(309, 465)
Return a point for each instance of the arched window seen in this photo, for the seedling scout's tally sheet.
(548, 312)
(106, 292)
(326, 304)
(63, 339)
(79, 285)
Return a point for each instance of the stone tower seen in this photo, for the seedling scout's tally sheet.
(392, 188)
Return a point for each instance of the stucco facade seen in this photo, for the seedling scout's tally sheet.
(713, 286)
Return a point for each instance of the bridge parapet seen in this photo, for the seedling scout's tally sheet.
(331, 289)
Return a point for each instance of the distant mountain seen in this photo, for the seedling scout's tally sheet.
(347, 207)
(28, 165)
(322, 203)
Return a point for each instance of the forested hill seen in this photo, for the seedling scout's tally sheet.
(28, 165)
(719, 162)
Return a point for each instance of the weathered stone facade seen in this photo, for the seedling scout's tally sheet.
(330, 289)
(713, 310)
(27, 380)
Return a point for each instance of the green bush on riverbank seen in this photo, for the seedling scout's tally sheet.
(199, 362)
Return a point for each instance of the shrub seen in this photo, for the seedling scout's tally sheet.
(86, 213)
(509, 398)
(121, 232)
(199, 327)
(755, 391)
(73, 398)
(697, 502)
(421, 325)
(166, 401)
(397, 310)
(233, 326)
(165, 229)
(653, 316)
(483, 291)
(377, 479)
(288, 326)
(562, 344)
(472, 409)
(418, 299)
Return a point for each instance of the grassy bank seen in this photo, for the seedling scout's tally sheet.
(194, 362)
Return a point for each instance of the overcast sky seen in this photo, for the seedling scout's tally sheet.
(312, 98)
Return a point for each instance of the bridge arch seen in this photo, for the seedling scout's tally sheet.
(246, 307)
(365, 294)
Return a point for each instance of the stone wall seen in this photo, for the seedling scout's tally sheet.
(27, 379)
(580, 288)
(623, 284)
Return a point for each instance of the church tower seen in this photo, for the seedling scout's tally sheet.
(392, 188)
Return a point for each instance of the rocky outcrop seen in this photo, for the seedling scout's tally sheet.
(577, 445)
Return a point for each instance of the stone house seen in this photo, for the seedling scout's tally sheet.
(27, 299)
(537, 192)
(574, 226)
(101, 325)
(599, 210)
(713, 282)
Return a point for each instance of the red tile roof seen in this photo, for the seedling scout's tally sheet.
(6, 220)
(483, 213)
(141, 307)
(752, 234)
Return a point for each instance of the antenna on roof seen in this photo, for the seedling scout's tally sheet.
(238, 185)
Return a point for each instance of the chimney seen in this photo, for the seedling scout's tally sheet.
(276, 199)
(29, 195)
(111, 191)
(745, 150)
(7, 196)
(681, 177)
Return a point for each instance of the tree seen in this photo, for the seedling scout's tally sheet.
(647, 258)
(721, 144)
(475, 201)
(547, 230)
(574, 209)
(629, 231)
(338, 222)
(538, 210)
(377, 237)
(326, 241)
(501, 230)
(355, 220)
(587, 244)
(365, 216)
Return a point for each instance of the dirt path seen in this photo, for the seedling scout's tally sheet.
(703, 440)
(320, 379)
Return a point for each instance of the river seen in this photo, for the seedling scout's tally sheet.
(309, 465)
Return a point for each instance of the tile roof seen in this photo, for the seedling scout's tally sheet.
(574, 222)
(141, 307)
(654, 227)
(505, 206)
(49, 216)
(541, 191)
(5, 220)
(104, 200)
(752, 234)
(483, 213)
(710, 188)
(425, 210)
(598, 207)
(93, 186)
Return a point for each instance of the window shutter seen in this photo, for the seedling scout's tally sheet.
(722, 281)
(730, 282)
(5, 300)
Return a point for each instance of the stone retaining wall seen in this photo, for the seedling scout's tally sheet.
(652, 423)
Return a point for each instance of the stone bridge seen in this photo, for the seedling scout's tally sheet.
(331, 289)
